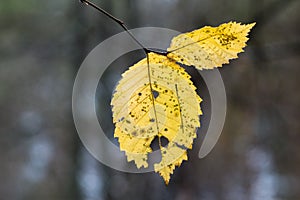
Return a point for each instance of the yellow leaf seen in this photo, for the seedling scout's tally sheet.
(210, 47)
(156, 99)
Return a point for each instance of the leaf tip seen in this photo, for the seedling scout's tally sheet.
(250, 26)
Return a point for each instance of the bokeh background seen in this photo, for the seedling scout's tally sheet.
(41, 156)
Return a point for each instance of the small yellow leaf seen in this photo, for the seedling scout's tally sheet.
(210, 47)
(156, 99)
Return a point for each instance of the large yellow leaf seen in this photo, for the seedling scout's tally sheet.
(156, 99)
(210, 47)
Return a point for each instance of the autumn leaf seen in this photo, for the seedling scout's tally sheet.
(156, 98)
(210, 47)
(172, 112)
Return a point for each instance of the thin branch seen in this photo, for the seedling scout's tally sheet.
(118, 21)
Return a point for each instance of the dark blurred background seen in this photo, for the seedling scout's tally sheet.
(41, 156)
